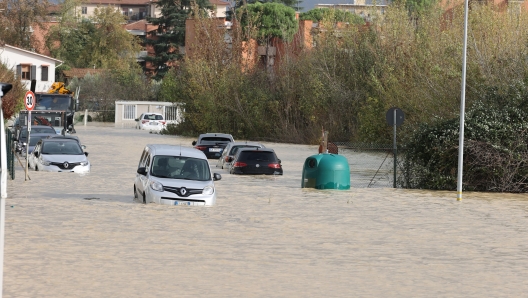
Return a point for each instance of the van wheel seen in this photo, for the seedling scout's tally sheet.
(144, 199)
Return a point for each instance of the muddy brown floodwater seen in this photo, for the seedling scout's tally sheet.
(83, 236)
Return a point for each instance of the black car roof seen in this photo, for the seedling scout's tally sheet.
(63, 137)
(54, 139)
(255, 150)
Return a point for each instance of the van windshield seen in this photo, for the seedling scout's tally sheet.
(180, 167)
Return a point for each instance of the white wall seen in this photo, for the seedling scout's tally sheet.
(12, 57)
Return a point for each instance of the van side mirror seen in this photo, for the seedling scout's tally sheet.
(217, 177)
(229, 158)
(280, 161)
(137, 119)
(36, 153)
(142, 171)
(193, 143)
(86, 154)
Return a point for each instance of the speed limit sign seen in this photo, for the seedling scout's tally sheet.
(29, 100)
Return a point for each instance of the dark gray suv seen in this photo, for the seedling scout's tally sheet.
(212, 144)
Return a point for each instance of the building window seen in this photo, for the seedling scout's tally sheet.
(44, 75)
(129, 112)
(25, 74)
(84, 10)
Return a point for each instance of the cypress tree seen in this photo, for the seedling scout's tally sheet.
(171, 32)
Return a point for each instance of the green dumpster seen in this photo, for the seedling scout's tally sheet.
(326, 171)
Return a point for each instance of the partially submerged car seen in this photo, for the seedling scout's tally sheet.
(57, 154)
(212, 144)
(34, 138)
(231, 149)
(21, 135)
(256, 162)
(174, 175)
(151, 121)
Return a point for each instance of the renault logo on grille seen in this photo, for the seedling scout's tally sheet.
(183, 191)
(66, 164)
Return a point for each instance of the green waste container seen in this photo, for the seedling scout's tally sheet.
(326, 171)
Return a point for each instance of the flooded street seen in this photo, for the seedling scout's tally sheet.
(83, 236)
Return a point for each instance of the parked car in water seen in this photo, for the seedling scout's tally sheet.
(22, 132)
(212, 144)
(34, 138)
(151, 121)
(57, 154)
(256, 162)
(231, 149)
(174, 175)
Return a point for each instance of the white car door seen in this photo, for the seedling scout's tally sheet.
(141, 180)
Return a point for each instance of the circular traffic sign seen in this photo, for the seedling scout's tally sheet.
(394, 116)
(29, 100)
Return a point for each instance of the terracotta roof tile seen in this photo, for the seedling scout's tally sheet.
(219, 2)
(141, 25)
(81, 72)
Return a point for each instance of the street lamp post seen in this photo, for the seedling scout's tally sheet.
(462, 107)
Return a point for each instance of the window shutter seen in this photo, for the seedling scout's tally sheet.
(19, 72)
(44, 75)
(33, 73)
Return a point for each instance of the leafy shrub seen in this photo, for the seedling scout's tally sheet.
(495, 147)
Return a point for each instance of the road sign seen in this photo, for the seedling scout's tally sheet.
(29, 100)
(394, 118)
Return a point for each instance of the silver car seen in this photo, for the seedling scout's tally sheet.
(58, 154)
(231, 149)
(174, 175)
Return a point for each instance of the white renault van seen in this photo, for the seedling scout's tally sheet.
(174, 175)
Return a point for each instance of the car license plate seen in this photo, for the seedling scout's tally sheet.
(184, 203)
(153, 123)
(215, 149)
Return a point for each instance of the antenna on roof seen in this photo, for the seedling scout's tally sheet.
(180, 147)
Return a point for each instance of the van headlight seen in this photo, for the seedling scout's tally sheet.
(84, 163)
(155, 185)
(45, 162)
(208, 190)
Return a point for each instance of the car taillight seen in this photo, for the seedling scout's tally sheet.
(162, 122)
(144, 121)
(239, 164)
(274, 166)
(202, 148)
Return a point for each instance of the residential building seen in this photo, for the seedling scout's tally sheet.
(30, 66)
(363, 8)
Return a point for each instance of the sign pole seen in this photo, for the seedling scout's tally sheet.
(462, 108)
(27, 145)
(29, 102)
(395, 149)
(394, 117)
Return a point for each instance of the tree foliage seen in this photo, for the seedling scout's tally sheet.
(18, 20)
(271, 19)
(333, 15)
(295, 4)
(171, 32)
(100, 41)
(12, 101)
(495, 151)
